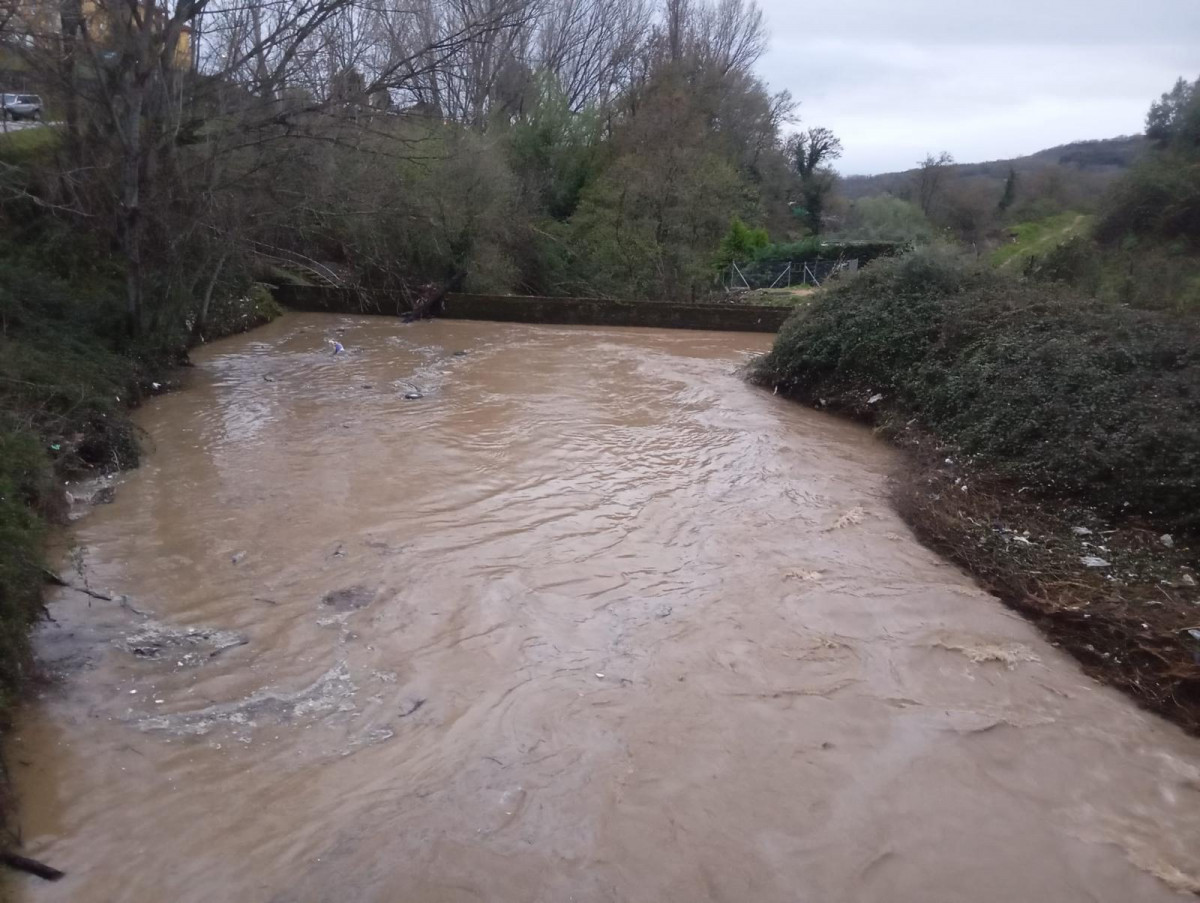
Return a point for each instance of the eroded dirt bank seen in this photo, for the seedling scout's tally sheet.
(590, 619)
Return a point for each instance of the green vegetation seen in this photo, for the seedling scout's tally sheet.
(58, 406)
(1047, 399)
(24, 486)
(1067, 395)
(778, 297)
(741, 243)
(1142, 249)
(1036, 238)
(69, 372)
(21, 146)
(887, 218)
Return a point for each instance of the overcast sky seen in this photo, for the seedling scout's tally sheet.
(896, 79)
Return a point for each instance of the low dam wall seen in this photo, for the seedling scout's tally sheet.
(532, 309)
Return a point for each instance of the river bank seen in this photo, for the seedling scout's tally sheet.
(1053, 450)
(70, 379)
(589, 595)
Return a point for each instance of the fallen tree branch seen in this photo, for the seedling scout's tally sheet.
(52, 577)
(32, 866)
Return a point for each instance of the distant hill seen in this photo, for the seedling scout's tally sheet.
(1101, 158)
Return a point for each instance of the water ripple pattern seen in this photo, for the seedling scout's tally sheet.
(516, 613)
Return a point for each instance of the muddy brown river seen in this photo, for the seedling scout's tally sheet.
(589, 620)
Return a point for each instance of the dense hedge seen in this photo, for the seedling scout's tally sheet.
(1074, 397)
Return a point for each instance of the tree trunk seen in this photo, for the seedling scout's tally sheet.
(131, 219)
(202, 317)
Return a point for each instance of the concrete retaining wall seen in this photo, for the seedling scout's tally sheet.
(603, 312)
(530, 309)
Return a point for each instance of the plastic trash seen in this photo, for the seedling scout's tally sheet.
(1081, 531)
(1092, 561)
(338, 348)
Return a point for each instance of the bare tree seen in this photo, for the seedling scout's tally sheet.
(591, 46)
(931, 179)
(173, 123)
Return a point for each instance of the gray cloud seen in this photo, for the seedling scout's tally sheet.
(897, 80)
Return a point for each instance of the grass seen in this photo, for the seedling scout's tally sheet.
(1036, 238)
(19, 145)
(777, 297)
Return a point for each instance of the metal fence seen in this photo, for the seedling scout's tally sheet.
(782, 273)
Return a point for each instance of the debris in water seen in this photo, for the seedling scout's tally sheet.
(1081, 531)
(379, 735)
(416, 704)
(874, 398)
(413, 396)
(153, 640)
(1187, 580)
(663, 611)
(329, 692)
(802, 575)
(238, 557)
(600, 674)
(854, 516)
(351, 598)
(1167, 540)
(1008, 654)
(1092, 561)
(32, 866)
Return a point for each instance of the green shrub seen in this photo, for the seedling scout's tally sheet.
(1076, 262)
(240, 311)
(814, 248)
(889, 219)
(25, 482)
(1074, 397)
(740, 243)
(1158, 198)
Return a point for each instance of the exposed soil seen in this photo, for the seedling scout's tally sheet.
(1123, 599)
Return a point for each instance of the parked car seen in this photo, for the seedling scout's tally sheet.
(20, 106)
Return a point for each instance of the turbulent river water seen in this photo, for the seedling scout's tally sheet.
(591, 619)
